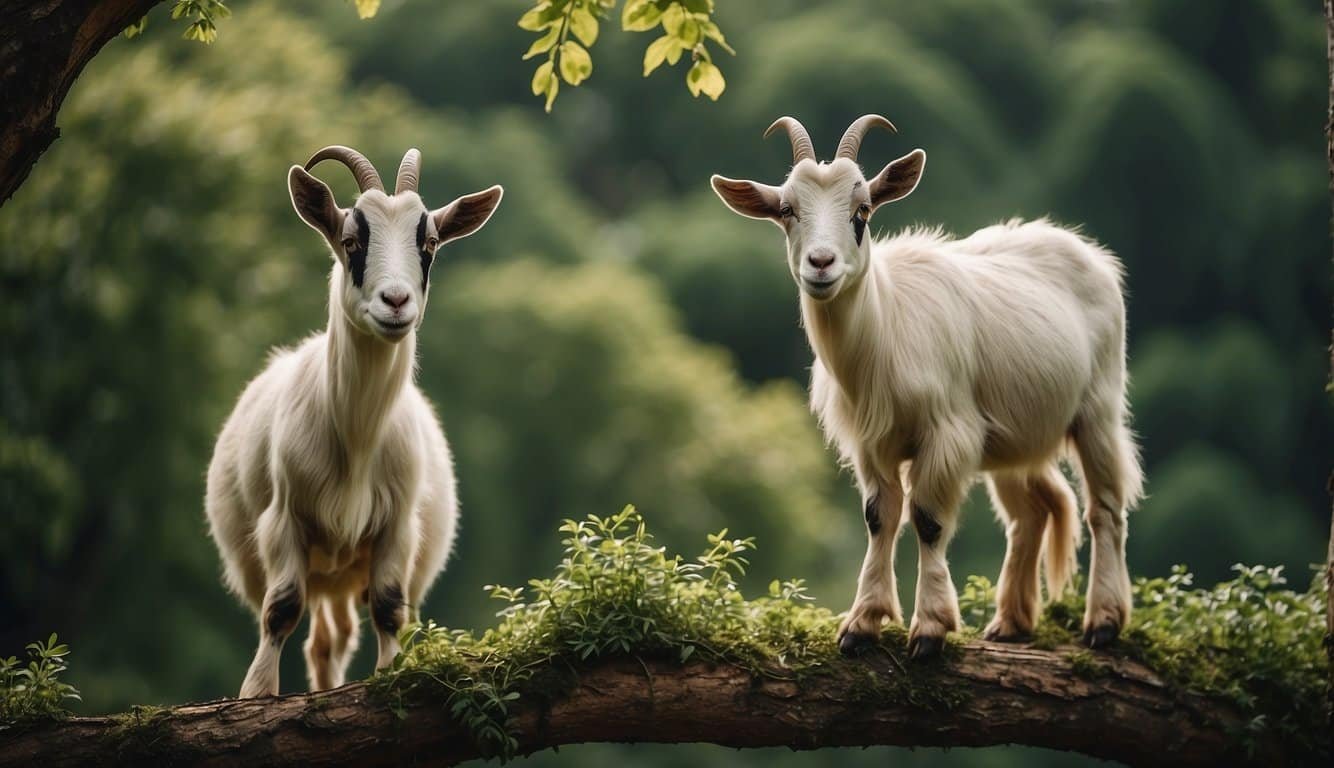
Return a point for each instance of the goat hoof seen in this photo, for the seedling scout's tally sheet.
(853, 644)
(998, 635)
(924, 647)
(1101, 636)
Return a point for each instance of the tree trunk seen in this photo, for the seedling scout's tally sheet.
(992, 694)
(44, 45)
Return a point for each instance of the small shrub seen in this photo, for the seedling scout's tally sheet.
(34, 690)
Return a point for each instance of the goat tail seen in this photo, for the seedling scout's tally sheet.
(1062, 535)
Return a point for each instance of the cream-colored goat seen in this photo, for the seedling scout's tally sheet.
(937, 359)
(331, 483)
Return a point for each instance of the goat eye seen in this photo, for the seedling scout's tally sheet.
(350, 243)
(863, 211)
(785, 211)
(432, 243)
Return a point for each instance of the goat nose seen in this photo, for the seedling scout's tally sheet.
(395, 297)
(821, 258)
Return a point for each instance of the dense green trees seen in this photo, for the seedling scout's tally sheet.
(614, 335)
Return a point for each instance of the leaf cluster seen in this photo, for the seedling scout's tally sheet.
(34, 690)
(569, 27)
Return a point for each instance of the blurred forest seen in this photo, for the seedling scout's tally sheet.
(615, 334)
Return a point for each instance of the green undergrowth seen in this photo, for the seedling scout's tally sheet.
(616, 593)
(1248, 640)
(33, 690)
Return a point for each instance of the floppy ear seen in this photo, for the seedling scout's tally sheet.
(314, 203)
(748, 198)
(898, 179)
(467, 214)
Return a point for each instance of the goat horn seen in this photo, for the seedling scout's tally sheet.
(407, 172)
(367, 177)
(852, 139)
(802, 148)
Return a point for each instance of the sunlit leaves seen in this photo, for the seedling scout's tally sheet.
(564, 25)
(204, 13)
(705, 78)
(569, 27)
(367, 8)
(686, 26)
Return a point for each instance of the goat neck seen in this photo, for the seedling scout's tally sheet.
(366, 376)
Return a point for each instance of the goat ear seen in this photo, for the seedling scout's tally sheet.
(467, 214)
(898, 179)
(314, 203)
(748, 198)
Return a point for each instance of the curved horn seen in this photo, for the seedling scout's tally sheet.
(802, 148)
(852, 139)
(367, 177)
(408, 171)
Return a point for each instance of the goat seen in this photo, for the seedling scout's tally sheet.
(937, 359)
(331, 483)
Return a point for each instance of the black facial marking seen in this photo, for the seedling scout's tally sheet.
(873, 514)
(928, 530)
(283, 613)
(426, 256)
(858, 228)
(356, 260)
(384, 607)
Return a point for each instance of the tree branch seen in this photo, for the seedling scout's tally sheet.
(991, 694)
(44, 45)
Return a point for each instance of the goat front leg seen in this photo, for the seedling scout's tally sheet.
(391, 559)
(282, 551)
(946, 459)
(877, 593)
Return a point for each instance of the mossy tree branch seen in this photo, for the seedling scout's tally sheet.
(985, 694)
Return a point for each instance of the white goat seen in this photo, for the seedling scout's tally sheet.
(331, 482)
(937, 359)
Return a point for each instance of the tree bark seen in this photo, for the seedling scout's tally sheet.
(1329, 562)
(994, 694)
(44, 45)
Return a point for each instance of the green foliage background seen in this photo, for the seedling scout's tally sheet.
(615, 335)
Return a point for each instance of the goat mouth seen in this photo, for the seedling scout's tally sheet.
(396, 330)
(819, 289)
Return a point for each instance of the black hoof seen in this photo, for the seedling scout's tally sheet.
(1101, 636)
(853, 645)
(924, 647)
(996, 636)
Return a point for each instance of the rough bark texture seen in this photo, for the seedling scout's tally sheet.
(1329, 562)
(44, 45)
(992, 694)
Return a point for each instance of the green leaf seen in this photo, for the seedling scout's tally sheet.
(542, 78)
(575, 63)
(657, 52)
(584, 25)
(367, 8)
(553, 89)
(674, 53)
(544, 43)
(640, 16)
(137, 28)
(705, 78)
(536, 18)
(673, 18)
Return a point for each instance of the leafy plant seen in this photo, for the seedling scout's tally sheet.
(687, 27)
(35, 690)
(614, 592)
(568, 29)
